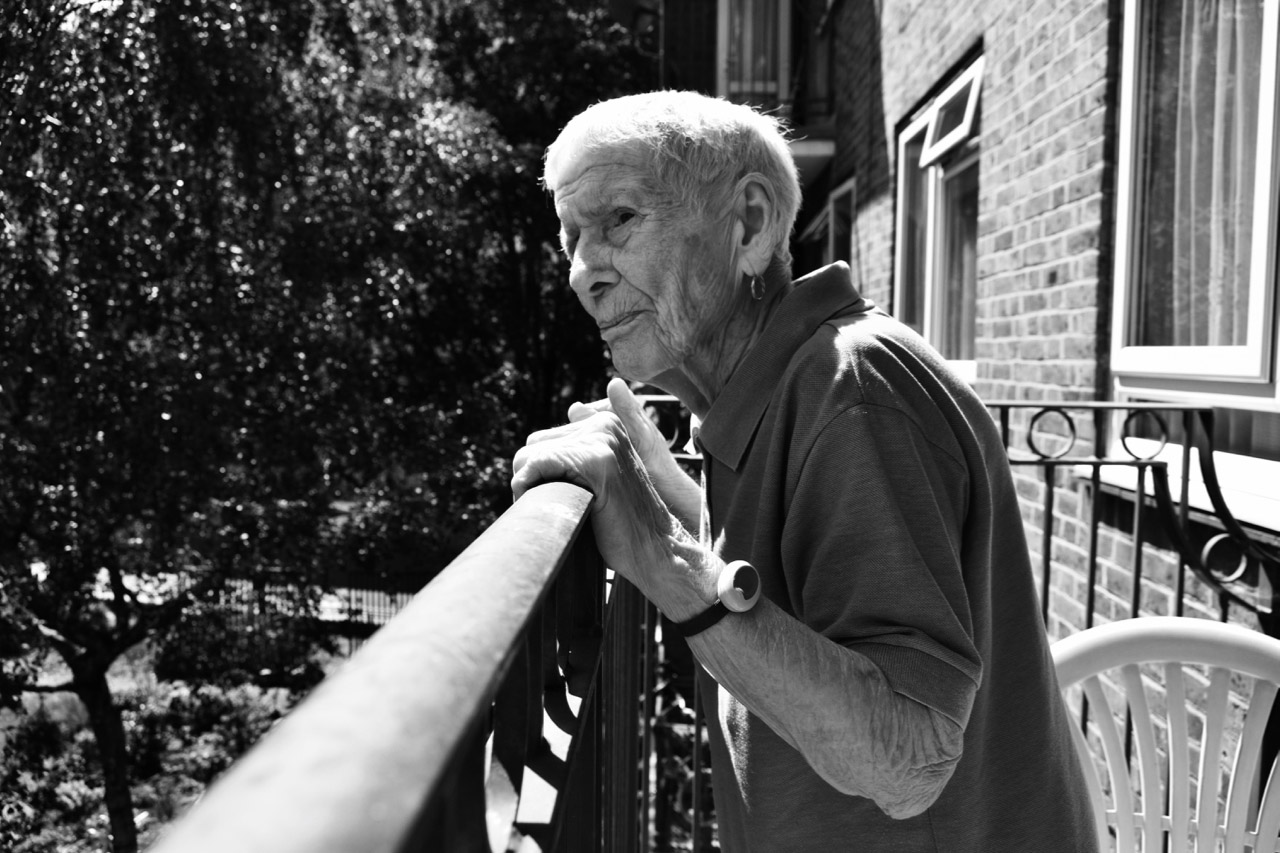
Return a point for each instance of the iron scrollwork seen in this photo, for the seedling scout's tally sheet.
(1148, 420)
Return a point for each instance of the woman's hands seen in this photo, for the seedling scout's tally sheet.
(645, 436)
(681, 494)
(635, 530)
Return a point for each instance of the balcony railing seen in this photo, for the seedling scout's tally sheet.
(514, 697)
(1172, 527)
(1144, 529)
(431, 736)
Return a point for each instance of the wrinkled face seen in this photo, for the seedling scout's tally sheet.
(657, 280)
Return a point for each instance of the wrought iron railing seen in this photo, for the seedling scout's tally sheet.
(1069, 442)
(430, 736)
(1189, 545)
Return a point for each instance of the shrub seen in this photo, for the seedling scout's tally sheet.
(180, 739)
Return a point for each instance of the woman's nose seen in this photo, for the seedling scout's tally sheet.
(590, 272)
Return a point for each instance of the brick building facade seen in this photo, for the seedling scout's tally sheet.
(1040, 286)
(1073, 200)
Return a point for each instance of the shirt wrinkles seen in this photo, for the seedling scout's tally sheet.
(726, 431)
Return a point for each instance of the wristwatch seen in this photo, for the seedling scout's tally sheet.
(737, 590)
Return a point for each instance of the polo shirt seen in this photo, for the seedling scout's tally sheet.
(868, 485)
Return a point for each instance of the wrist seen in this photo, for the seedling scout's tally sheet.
(689, 585)
(737, 591)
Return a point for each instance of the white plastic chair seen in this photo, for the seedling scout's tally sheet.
(1149, 807)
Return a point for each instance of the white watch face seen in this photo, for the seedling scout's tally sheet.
(739, 586)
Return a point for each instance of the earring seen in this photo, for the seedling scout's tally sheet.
(757, 287)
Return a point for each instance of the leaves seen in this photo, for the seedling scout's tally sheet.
(278, 297)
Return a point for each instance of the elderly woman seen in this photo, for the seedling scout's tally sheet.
(891, 688)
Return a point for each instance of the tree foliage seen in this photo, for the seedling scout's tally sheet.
(279, 296)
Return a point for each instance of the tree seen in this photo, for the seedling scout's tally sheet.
(532, 67)
(279, 297)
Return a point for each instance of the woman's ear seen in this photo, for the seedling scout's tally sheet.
(754, 207)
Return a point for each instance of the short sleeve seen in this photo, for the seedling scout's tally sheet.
(872, 553)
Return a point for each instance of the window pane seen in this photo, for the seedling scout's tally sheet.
(955, 114)
(817, 65)
(842, 229)
(951, 113)
(753, 51)
(1200, 78)
(956, 308)
(914, 235)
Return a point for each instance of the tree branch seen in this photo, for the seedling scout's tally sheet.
(152, 619)
(122, 599)
(28, 687)
(57, 639)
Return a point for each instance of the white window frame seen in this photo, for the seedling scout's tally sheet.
(915, 129)
(934, 148)
(937, 304)
(934, 176)
(1244, 378)
(1255, 361)
(1240, 378)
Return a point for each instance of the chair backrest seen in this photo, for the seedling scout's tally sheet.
(1182, 682)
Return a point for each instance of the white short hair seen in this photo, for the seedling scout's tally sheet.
(698, 148)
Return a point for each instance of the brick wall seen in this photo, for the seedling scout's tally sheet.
(873, 257)
(1043, 120)
(1042, 219)
(1043, 207)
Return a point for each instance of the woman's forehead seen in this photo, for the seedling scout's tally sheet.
(600, 178)
(576, 157)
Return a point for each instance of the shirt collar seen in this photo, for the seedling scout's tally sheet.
(732, 419)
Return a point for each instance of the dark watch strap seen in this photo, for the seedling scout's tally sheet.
(702, 621)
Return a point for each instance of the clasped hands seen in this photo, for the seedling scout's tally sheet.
(610, 447)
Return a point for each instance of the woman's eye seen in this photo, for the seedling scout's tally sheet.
(622, 217)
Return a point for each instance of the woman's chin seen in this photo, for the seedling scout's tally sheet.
(634, 366)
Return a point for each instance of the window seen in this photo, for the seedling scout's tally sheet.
(830, 236)
(814, 65)
(953, 115)
(755, 45)
(1194, 317)
(1195, 250)
(842, 212)
(936, 267)
(958, 273)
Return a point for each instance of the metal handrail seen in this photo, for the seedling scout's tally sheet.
(423, 739)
